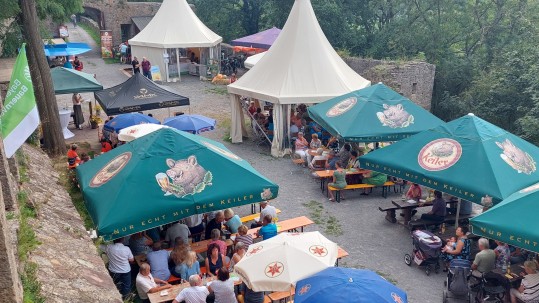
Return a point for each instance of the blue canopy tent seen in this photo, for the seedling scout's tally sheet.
(67, 49)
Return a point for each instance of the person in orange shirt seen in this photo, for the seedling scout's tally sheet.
(73, 159)
(105, 145)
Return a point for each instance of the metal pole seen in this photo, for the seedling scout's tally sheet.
(178, 64)
(458, 214)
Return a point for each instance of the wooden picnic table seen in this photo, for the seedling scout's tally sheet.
(198, 247)
(172, 292)
(341, 253)
(282, 295)
(516, 270)
(324, 175)
(286, 225)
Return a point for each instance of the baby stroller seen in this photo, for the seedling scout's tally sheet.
(457, 280)
(425, 251)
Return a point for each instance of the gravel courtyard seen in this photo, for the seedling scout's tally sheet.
(355, 224)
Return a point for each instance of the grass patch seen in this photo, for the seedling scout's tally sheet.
(96, 35)
(30, 284)
(218, 90)
(111, 60)
(225, 125)
(320, 216)
(26, 238)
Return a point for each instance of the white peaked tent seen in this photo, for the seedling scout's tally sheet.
(252, 60)
(300, 67)
(174, 26)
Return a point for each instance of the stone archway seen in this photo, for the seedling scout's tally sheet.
(95, 14)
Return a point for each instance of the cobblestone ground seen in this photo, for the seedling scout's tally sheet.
(355, 224)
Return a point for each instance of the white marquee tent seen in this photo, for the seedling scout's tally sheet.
(174, 27)
(300, 67)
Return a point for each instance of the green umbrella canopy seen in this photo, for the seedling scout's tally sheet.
(513, 221)
(373, 114)
(468, 158)
(163, 177)
(67, 80)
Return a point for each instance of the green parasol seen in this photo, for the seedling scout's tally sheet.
(467, 158)
(163, 177)
(372, 114)
(68, 81)
(513, 221)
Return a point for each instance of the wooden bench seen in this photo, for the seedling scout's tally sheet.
(282, 295)
(385, 188)
(449, 219)
(390, 210)
(254, 216)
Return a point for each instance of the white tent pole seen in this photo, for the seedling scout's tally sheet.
(458, 214)
(178, 64)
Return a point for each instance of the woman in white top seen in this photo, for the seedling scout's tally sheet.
(239, 252)
(319, 156)
(223, 287)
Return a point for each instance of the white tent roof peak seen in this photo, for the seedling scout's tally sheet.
(176, 26)
(300, 67)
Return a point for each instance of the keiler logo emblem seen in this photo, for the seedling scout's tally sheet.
(439, 154)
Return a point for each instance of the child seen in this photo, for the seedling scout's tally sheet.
(451, 244)
(243, 236)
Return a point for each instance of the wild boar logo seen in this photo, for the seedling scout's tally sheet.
(518, 159)
(187, 176)
(395, 116)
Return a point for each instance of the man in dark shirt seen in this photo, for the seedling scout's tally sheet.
(437, 213)
(146, 67)
(136, 65)
(215, 223)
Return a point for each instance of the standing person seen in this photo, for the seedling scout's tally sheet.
(136, 66)
(123, 52)
(195, 225)
(74, 20)
(147, 284)
(529, 288)
(503, 254)
(146, 68)
(78, 64)
(78, 117)
(176, 230)
(196, 293)
(119, 258)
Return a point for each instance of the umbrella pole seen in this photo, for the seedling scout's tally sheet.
(457, 215)
(178, 65)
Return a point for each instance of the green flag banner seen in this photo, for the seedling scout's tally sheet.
(19, 117)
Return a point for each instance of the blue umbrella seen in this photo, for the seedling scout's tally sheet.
(66, 49)
(125, 120)
(194, 124)
(338, 284)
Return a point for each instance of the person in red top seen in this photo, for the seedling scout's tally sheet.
(233, 78)
(146, 68)
(105, 145)
(73, 159)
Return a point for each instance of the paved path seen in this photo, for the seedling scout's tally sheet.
(372, 242)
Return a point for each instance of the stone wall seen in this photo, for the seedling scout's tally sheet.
(413, 79)
(118, 12)
(91, 23)
(69, 267)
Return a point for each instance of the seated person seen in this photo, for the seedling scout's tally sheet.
(294, 130)
(315, 129)
(259, 117)
(243, 236)
(485, 260)
(529, 287)
(147, 284)
(195, 293)
(239, 252)
(333, 143)
(268, 229)
(158, 260)
(342, 156)
(462, 249)
(215, 223)
(215, 260)
(232, 222)
(319, 157)
(189, 266)
(216, 239)
(518, 255)
(73, 159)
(315, 142)
(374, 178)
(301, 146)
(353, 162)
(437, 213)
(339, 181)
(414, 192)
